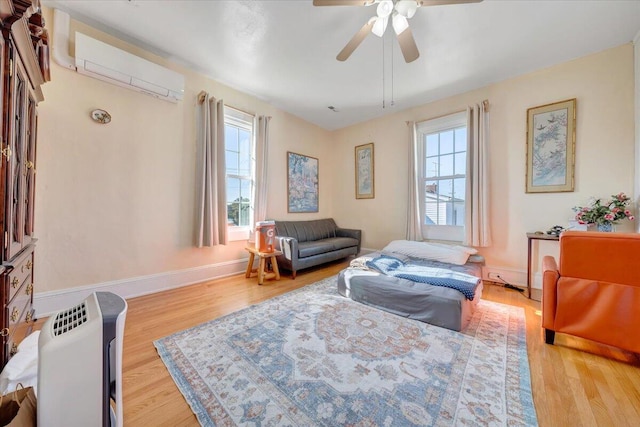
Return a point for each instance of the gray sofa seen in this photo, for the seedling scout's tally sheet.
(306, 244)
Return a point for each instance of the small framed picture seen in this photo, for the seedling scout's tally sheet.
(365, 184)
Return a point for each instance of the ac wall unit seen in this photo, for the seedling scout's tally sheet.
(105, 62)
(80, 364)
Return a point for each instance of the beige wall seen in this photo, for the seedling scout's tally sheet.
(116, 201)
(603, 85)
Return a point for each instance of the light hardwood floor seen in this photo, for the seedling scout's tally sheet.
(574, 383)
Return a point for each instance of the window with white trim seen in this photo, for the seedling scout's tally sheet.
(443, 148)
(240, 172)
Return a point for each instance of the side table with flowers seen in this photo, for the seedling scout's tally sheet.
(605, 213)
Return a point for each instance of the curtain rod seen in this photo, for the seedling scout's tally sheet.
(485, 103)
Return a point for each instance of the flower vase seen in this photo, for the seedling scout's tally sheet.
(606, 228)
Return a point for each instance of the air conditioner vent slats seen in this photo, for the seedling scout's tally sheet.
(70, 319)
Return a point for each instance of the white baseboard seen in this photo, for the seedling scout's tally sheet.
(47, 303)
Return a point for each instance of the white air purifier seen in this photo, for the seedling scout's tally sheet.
(80, 364)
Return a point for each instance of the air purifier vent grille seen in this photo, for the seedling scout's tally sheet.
(70, 319)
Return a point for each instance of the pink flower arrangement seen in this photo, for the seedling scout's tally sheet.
(605, 213)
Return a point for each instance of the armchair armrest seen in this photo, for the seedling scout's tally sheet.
(550, 276)
(350, 232)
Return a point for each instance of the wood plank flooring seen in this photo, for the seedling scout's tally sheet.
(575, 382)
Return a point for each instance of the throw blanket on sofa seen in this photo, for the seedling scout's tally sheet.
(395, 267)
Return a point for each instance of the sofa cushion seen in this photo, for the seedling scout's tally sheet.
(307, 249)
(307, 231)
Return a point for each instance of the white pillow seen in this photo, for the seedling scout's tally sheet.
(433, 251)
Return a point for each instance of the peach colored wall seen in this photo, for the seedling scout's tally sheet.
(116, 201)
(603, 84)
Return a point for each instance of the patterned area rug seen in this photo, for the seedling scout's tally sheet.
(313, 358)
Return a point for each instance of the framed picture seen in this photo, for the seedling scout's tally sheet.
(365, 185)
(551, 143)
(302, 183)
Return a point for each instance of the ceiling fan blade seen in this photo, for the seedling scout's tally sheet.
(355, 41)
(445, 2)
(342, 2)
(408, 45)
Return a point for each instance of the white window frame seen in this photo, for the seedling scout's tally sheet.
(428, 127)
(243, 121)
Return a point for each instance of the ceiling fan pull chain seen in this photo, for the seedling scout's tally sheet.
(383, 80)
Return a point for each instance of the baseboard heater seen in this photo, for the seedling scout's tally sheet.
(80, 364)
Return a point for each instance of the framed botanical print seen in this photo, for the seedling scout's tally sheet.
(302, 183)
(365, 184)
(551, 141)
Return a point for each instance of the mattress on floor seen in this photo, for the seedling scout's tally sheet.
(427, 303)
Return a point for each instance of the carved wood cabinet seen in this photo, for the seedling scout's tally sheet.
(24, 67)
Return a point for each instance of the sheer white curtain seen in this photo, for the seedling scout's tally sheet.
(261, 126)
(477, 230)
(414, 227)
(211, 204)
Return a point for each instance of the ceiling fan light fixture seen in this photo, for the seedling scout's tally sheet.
(380, 26)
(407, 8)
(399, 23)
(385, 7)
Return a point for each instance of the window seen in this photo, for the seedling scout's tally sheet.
(443, 146)
(240, 172)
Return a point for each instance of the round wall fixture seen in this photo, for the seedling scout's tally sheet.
(101, 116)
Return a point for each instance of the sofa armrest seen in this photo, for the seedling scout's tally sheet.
(288, 246)
(350, 232)
(550, 276)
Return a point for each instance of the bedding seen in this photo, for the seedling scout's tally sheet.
(418, 300)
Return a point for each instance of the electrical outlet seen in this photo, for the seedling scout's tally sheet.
(493, 275)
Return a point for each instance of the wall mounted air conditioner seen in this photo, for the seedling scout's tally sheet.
(105, 62)
(80, 364)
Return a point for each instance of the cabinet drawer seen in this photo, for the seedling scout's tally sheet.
(18, 306)
(19, 330)
(22, 268)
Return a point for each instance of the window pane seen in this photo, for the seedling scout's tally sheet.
(431, 213)
(458, 216)
(245, 190)
(432, 145)
(445, 189)
(461, 139)
(233, 190)
(245, 153)
(431, 167)
(231, 161)
(446, 165)
(460, 163)
(446, 142)
(231, 137)
(245, 214)
(459, 189)
(431, 189)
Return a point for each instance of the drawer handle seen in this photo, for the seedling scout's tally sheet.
(14, 282)
(29, 317)
(14, 349)
(29, 265)
(29, 289)
(4, 332)
(15, 314)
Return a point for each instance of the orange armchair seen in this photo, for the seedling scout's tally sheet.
(595, 292)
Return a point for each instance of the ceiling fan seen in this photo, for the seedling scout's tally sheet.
(399, 11)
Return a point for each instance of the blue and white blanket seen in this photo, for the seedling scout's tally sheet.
(464, 283)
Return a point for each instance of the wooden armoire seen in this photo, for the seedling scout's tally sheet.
(24, 67)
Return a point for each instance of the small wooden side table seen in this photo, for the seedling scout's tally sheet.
(263, 273)
(530, 237)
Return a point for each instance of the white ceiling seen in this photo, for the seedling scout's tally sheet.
(284, 51)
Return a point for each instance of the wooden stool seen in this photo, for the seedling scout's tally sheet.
(263, 273)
